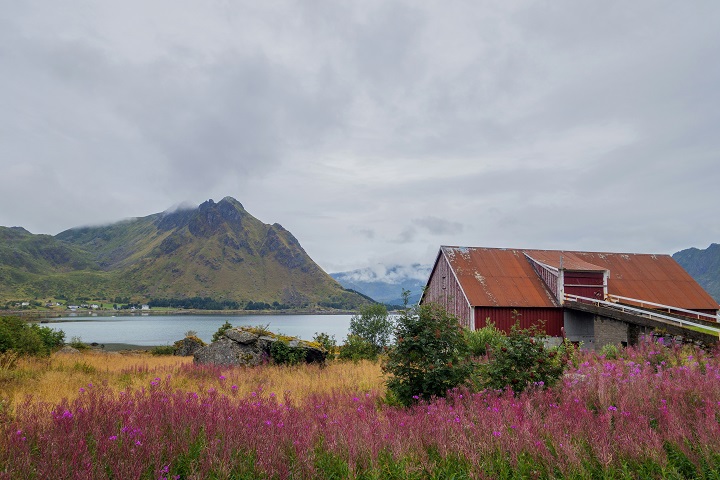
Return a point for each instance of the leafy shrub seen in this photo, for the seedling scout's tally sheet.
(610, 351)
(326, 341)
(76, 342)
(521, 359)
(373, 325)
(357, 348)
(220, 331)
(284, 354)
(479, 340)
(163, 350)
(28, 338)
(430, 355)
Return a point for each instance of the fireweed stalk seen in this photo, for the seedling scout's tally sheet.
(654, 411)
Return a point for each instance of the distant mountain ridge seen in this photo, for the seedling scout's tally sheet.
(703, 266)
(216, 250)
(385, 284)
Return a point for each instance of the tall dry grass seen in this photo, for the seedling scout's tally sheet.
(61, 376)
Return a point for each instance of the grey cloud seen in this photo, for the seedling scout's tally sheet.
(568, 125)
(438, 226)
(407, 235)
(365, 232)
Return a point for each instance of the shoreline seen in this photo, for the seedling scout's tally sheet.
(40, 315)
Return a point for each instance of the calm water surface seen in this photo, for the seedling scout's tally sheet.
(149, 330)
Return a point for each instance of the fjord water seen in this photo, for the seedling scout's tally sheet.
(154, 330)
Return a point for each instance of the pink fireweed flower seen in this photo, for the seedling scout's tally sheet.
(234, 388)
(222, 377)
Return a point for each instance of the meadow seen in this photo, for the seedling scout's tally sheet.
(652, 411)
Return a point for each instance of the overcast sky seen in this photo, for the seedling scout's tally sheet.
(375, 131)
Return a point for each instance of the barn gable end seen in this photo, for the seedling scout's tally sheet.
(444, 288)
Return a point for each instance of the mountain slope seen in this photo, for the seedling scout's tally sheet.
(703, 266)
(217, 250)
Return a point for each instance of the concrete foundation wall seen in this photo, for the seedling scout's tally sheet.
(609, 332)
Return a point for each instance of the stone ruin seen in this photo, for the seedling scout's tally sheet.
(242, 346)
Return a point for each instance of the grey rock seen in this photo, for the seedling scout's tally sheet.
(227, 352)
(68, 350)
(265, 342)
(188, 346)
(314, 354)
(241, 336)
(239, 347)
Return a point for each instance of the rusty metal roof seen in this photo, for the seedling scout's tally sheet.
(566, 260)
(654, 278)
(496, 277)
(505, 278)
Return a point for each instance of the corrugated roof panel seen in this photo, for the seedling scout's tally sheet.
(654, 278)
(498, 277)
(505, 277)
(569, 260)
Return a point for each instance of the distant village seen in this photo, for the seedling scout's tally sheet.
(74, 308)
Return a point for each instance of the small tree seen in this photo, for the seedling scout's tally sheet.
(373, 325)
(357, 348)
(430, 355)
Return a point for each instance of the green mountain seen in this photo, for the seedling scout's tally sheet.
(217, 250)
(703, 266)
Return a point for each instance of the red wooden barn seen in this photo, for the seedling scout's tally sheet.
(507, 285)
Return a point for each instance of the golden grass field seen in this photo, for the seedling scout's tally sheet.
(61, 376)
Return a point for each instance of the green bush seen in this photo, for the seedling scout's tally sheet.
(77, 343)
(326, 341)
(610, 351)
(220, 331)
(373, 325)
(430, 355)
(480, 340)
(163, 350)
(357, 348)
(521, 360)
(282, 353)
(28, 338)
